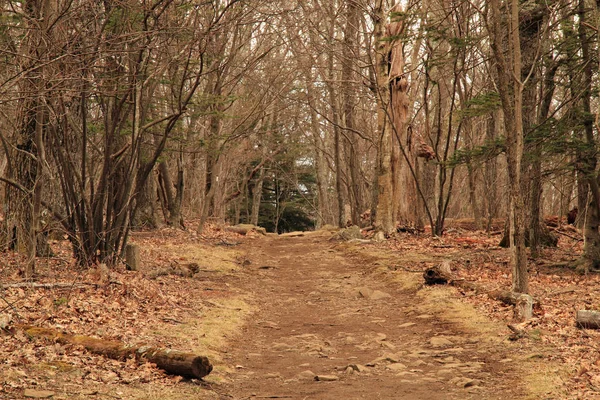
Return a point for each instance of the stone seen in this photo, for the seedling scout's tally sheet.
(396, 367)
(306, 375)
(327, 378)
(388, 345)
(358, 367)
(109, 377)
(381, 337)
(465, 382)
(349, 370)
(455, 350)
(388, 358)
(365, 292)
(440, 341)
(406, 324)
(38, 394)
(350, 340)
(379, 295)
(281, 347)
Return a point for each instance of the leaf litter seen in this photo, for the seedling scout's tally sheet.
(136, 307)
(131, 307)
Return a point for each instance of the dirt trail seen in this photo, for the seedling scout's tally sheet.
(322, 313)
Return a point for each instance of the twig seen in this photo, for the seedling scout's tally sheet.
(172, 320)
(569, 236)
(561, 291)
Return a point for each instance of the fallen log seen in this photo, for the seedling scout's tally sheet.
(438, 274)
(171, 361)
(244, 229)
(442, 274)
(588, 319)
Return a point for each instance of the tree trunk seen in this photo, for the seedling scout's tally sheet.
(257, 196)
(173, 193)
(382, 213)
(591, 249)
(335, 121)
(145, 210)
(212, 158)
(24, 207)
(403, 159)
(510, 89)
(355, 187)
(491, 173)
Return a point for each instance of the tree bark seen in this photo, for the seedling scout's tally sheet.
(355, 187)
(173, 193)
(337, 135)
(383, 213)
(510, 89)
(23, 208)
(591, 231)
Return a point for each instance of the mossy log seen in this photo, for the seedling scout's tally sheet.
(171, 361)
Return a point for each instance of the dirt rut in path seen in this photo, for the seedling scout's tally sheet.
(326, 327)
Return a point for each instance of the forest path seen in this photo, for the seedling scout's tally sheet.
(319, 312)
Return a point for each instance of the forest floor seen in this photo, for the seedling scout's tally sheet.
(301, 316)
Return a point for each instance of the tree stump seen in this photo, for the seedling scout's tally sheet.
(524, 307)
(132, 257)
